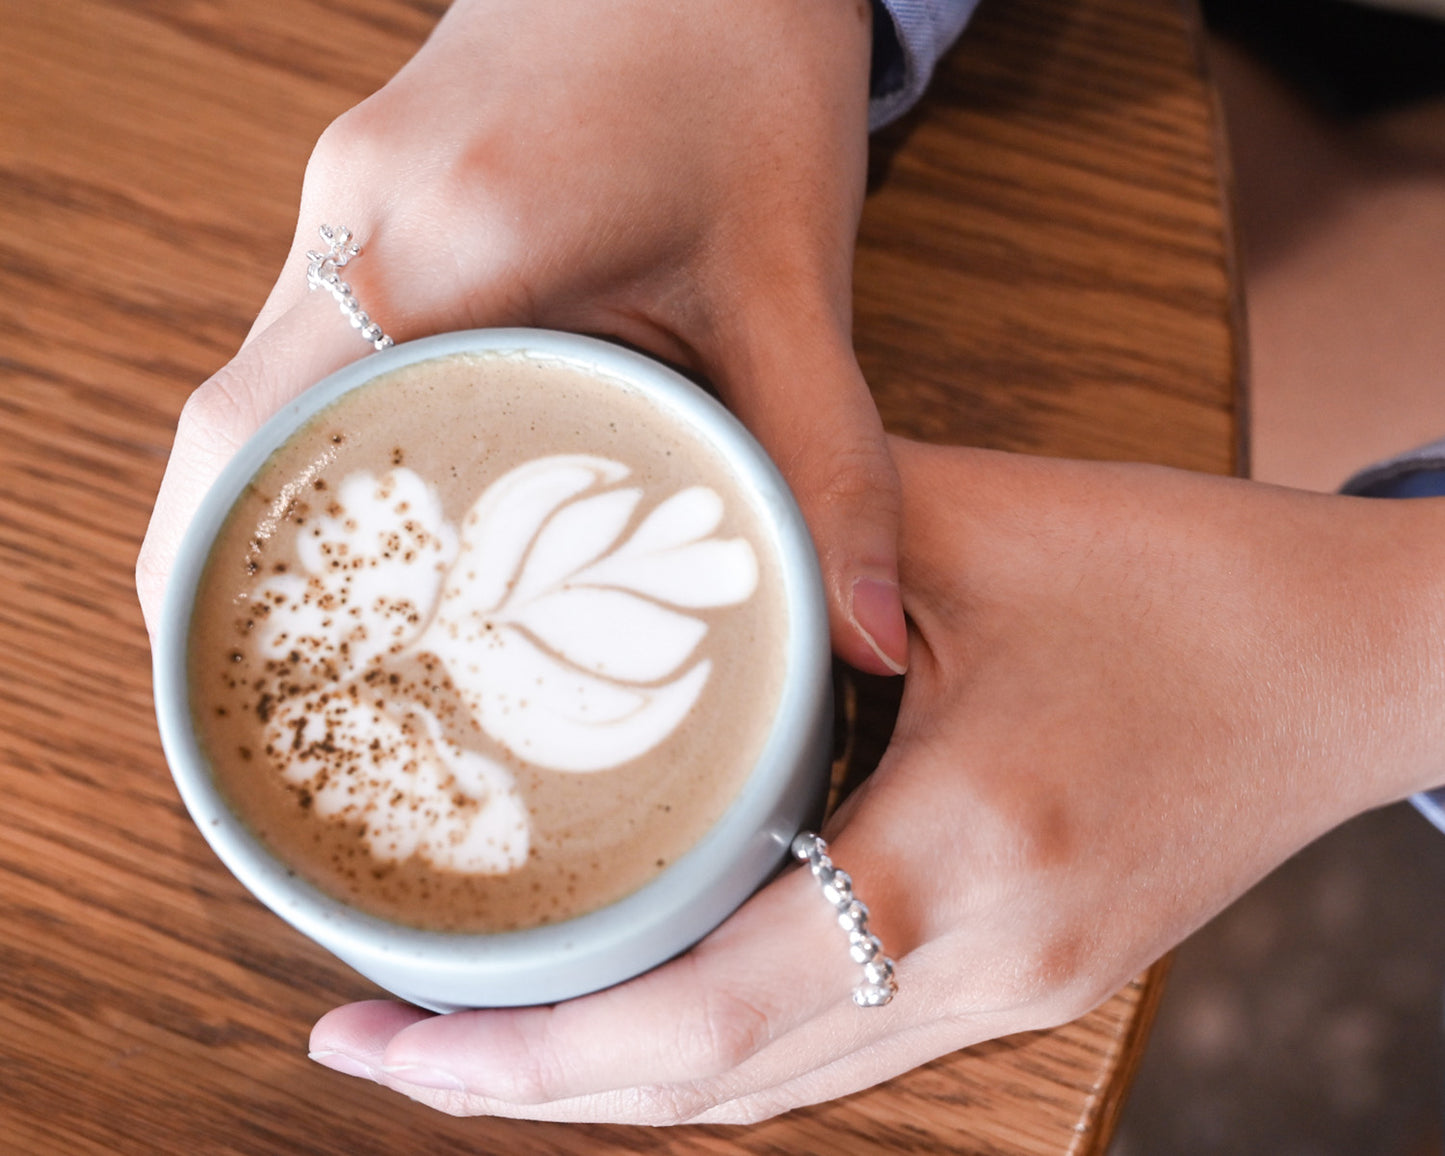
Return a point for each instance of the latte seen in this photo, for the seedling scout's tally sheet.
(487, 644)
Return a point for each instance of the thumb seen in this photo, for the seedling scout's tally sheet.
(805, 400)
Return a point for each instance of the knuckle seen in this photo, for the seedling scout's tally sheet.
(353, 142)
(851, 489)
(1045, 835)
(668, 1105)
(854, 474)
(723, 1031)
(1080, 982)
(370, 159)
(533, 1075)
(1049, 981)
(1049, 968)
(218, 416)
(753, 1109)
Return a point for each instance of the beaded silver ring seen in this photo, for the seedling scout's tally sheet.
(322, 272)
(879, 985)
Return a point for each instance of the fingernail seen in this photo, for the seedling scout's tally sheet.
(346, 1065)
(425, 1077)
(877, 612)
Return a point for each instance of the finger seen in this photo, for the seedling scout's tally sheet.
(780, 962)
(788, 1073)
(799, 389)
(841, 1051)
(948, 999)
(873, 1063)
(302, 346)
(354, 1043)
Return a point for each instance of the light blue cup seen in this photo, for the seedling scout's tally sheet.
(446, 971)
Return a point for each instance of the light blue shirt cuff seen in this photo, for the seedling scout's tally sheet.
(1431, 804)
(925, 30)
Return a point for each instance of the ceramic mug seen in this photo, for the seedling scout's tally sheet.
(445, 970)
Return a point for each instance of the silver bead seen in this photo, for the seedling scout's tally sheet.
(863, 946)
(853, 917)
(839, 890)
(872, 996)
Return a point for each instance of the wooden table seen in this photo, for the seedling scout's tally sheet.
(1044, 267)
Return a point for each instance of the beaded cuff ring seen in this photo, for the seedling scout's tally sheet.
(322, 273)
(879, 985)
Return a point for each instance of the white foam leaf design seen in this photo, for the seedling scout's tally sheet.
(412, 791)
(599, 630)
(571, 660)
(374, 558)
(565, 637)
(685, 517)
(666, 559)
(712, 573)
(575, 535)
(501, 525)
(554, 715)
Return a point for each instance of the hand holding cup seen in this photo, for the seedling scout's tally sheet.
(687, 180)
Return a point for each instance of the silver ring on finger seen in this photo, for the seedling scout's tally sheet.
(879, 984)
(323, 271)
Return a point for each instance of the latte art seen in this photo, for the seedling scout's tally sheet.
(488, 643)
(558, 633)
(558, 630)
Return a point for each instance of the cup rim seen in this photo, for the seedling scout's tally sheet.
(682, 897)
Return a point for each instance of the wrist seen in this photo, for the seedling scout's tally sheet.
(1396, 656)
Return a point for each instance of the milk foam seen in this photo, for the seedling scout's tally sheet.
(565, 637)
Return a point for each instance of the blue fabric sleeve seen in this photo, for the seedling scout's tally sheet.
(1417, 474)
(909, 36)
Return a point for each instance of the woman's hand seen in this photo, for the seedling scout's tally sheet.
(683, 177)
(1134, 691)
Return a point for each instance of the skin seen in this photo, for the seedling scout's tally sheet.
(715, 229)
(1134, 692)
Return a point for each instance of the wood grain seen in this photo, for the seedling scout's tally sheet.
(1044, 266)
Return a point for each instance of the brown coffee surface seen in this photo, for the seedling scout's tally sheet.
(460, 423)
